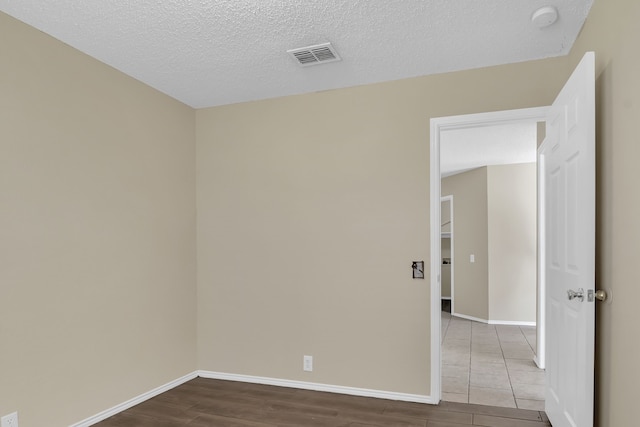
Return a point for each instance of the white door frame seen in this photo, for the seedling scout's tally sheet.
(541, 343)
(438, 125)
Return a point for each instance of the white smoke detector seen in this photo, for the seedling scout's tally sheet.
(314, 55)
(544, 16)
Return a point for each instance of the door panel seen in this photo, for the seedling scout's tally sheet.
(570, 264)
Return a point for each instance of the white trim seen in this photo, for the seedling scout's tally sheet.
(436, 261)
(524, 115)
(437, 125)
(318, 387)
(475, 319)
(134, 401)
(539, 358)
(494, 322)
(446, 298)
(511, 323)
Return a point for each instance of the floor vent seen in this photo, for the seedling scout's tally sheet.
(314, 55)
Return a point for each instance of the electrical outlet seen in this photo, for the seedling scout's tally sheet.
(10, 420)
(307, 363)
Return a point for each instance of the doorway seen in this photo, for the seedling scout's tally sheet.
(455, 326)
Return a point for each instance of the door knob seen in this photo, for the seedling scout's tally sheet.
(600, 295)
(579, 294)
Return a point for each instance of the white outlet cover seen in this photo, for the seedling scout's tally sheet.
(307, 363)
(10, 420)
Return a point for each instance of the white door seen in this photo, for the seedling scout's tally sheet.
(569, 177)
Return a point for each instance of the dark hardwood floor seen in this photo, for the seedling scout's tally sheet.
(205, 402)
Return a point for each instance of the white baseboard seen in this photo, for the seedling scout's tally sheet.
(255, 380)
(511, 323)
(494, 322)
(419, 398)
(475, 319)
(132, 402)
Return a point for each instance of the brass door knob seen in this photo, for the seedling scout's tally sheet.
(601, 295)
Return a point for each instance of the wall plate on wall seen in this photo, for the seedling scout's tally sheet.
(418, 269)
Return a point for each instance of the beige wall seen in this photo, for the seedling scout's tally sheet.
(306, 240)
(445, 269)
(471, 285)
(445, 249)
(97, 225)
(97, 233)
(612, 31)
(511, 204)
(445, 216)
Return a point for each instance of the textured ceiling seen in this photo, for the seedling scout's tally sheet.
(207, 53)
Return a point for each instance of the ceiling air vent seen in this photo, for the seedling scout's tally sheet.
(314, 55)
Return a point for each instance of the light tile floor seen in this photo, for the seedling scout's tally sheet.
(490, 364)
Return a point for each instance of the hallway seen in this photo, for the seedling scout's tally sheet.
(490, 364)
